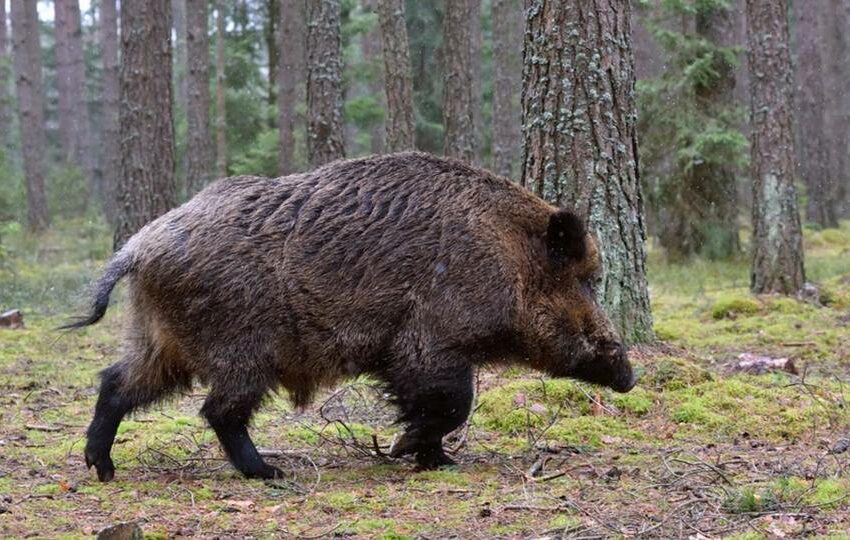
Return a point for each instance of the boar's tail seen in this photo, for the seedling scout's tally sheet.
(117, 268)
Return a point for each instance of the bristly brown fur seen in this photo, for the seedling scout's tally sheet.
(408, 267)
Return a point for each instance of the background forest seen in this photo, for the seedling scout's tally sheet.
(725, 129)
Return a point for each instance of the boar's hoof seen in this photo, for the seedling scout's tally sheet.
(265, 472)
(103, 465)
(433, 459)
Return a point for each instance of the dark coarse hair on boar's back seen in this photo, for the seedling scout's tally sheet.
(407, 267)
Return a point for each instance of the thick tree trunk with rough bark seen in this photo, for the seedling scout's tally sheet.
(181, 82)
(398, 76)
(27, 53)
(580, 144)
(199, 162)
(777, 238)
(325, 137)
(476, 45)
(74, 127)
(220, 112)
(108, 32)
(290, 78)
(507, 69)
(146, 187)
(458, 119)
(812, 141)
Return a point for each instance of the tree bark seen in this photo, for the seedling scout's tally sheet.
(813, 148)
(5, 103)
(108, 31)
(507, 66)
(270, 32)
(372, 54)
(199, 155)
(178, 11)
(290, 78)
(398, 76)
(580, 144)
(325, 137)
(476, 45)
(777, 239)
(837, 28)
(458, 118)
(220, 111)
(27, 53)
(74, 127)
(146, 188)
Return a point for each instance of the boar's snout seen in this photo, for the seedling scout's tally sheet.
(624, 378)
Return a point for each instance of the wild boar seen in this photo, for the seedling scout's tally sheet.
(408, 267)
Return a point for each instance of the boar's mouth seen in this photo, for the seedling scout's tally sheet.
(610, 368)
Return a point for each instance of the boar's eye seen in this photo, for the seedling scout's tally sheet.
(565, 237)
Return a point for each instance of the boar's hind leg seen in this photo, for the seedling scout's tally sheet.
(228, 408)
(433, 403)
(119, 394)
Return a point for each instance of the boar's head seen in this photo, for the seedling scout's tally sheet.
(570, 334)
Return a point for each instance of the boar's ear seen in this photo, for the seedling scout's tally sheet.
(565, 237)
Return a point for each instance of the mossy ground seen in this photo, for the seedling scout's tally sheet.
(695, 449)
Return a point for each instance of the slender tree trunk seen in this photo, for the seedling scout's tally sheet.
(27, 53)
(270, 33)
(146, 187)
(507, 69)
(777, 239)
(290, 78)
(199, 156)
(372, 54)
(837, 48)
(220, 111)
(5, 100)
(181, 86)
(111, 94)
(458, 118)
(813, 146)
(325, 137)
(398, 77)
(74, 126)
(476, 44)
(580, 144)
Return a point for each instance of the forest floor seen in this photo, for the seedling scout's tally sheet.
(698, 450)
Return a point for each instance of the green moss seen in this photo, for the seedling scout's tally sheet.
(734, 306)
(449, 477)
(637, 402)
(671, 373)
(516, 406)
(829, 493)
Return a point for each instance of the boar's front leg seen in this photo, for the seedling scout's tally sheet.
(228, 409)
(434, 397)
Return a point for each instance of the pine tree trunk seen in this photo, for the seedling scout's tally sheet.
(458, 119)
(777, 239)
(146, 187)
(270, 33)
(181, 86)
(813, 147)
(371, 47)
(837, 37)
(579, 144)
(5, 100)
(74, 128)
(290, 76)
(199, 155)
(111, 94)
(220, 111)
(398, 76)
(476, 44)
(27, 53)
(507, 67)
(325, 137)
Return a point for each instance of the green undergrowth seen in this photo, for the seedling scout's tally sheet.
(171, 472)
